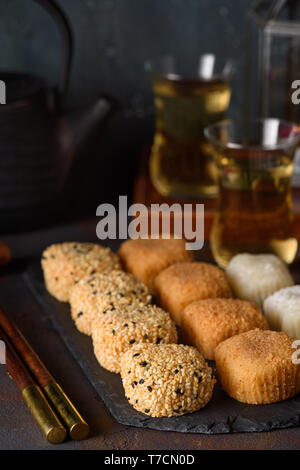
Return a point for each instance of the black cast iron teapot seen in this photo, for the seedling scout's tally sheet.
(37, 141)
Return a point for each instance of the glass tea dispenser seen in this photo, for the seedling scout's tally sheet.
(273, 63)
(272, 59)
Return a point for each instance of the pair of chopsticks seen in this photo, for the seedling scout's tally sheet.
(42, 394)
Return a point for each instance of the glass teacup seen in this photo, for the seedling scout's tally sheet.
(255, 164)
(188, 97)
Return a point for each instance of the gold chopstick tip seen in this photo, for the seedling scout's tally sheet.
(78, 428)
(42, 412)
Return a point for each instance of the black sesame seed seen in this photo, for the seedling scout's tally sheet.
(199, 380)
(135, 382)
(112, 309)
(196, 396)
(141, 381)
(136, 355)
(159, 326)
(93, 272)
(136, 401)
(129, 372)
(146, 336)
(133, 322)
(177, 410)
(158, 340)
(195, 374)
(179, 392)
(149, 388)
(79, 314)
(121, 294)
(108, 293)
(143, 364)
(132, 341)
(125, 324)
(147, 410)
(176, 371)
(133, 292)
(180, 367)
(113, 331)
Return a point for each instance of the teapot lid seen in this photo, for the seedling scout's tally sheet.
(20, 86)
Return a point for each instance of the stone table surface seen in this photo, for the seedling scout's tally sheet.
(18, 430)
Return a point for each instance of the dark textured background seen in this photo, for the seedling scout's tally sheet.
(113, 38)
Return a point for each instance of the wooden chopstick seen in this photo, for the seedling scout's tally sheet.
(32, 395)
(77, 427)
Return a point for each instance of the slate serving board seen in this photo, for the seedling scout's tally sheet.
(221, 415)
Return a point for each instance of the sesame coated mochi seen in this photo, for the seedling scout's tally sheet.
(166, 380)
(120, 331)
(256, 367)
(66, 263)
(147, 258)
(184, 283)
(95, 296)
(207, 323)
(255, 277)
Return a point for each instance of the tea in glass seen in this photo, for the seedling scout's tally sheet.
(255, 164)
(181, 163)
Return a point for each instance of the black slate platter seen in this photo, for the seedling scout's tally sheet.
(221, 415)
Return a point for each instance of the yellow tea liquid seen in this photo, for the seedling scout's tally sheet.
(181, 163)
(255, 207)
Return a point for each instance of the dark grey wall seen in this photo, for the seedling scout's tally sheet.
(113, 38)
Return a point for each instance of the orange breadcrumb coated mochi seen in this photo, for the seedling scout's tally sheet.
(207, 323)
(256, 367)
(147, 258)
(184, 283)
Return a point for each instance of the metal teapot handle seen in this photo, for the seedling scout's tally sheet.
(65, 29)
